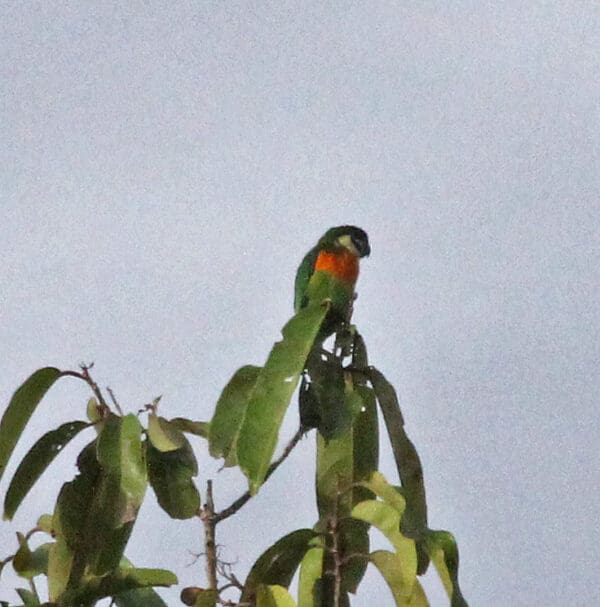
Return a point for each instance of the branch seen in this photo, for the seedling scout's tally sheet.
(335, 549)
(240, 501)
(87, 378)
(210, 547)
(5, 561)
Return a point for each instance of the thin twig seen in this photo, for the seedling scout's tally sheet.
(114, 400)
(240, 501)
(87, 378)
(31, 532)
(224, 571)
(85, 371)
(5, 561)
(195, 555)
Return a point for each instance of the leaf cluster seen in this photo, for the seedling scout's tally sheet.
(95, 512)
(340, 396)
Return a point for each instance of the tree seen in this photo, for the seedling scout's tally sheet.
(339, 397)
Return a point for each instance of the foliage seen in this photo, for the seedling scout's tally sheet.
(340, 396)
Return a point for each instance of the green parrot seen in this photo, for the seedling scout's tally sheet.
(329, 271)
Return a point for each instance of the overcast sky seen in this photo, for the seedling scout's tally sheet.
(164, 167)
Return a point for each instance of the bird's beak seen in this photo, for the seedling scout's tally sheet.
(362, 247)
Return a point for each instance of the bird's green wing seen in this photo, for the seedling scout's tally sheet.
(305, 271)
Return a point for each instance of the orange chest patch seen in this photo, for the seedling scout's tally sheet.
(342, 265)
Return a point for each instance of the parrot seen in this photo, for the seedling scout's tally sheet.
(329, 271)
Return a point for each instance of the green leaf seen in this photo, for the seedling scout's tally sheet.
(207, 598)
(191, 427)
(353, 542)
(199, 597)
(71, 512)
(323, 402)
(28, 563)
(44, 523)
(39, 457)
(309, 406)
(163, 435)
(119, 452)
(336, 463)
(441, 547)
(311, 569)
(334, 476)
(60, 564)
(123, 580)
(170, 474)
(414, 521)
(387, 519)
(128, 578)
(20, 409)
(138, 597)
(278, 563)
(229, 413)
(28, 597)
(273, 596)
(95, 513)
(360, 358)
(271, 394)
(406, 593)
(365, 442)
(150, 577)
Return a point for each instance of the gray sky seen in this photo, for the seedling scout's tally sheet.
(165, 168)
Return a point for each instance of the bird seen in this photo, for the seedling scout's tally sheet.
(329, 272)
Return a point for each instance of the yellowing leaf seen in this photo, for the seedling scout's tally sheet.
(163, 435)
(379, 485)
(387, 520)
(311, 569)
(407, 592)
(273, 596)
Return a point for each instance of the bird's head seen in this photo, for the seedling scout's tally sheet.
(351, 238)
